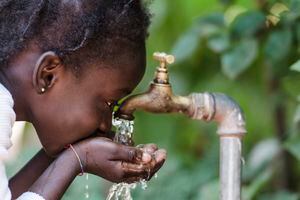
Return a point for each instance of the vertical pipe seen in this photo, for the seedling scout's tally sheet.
(230, 168)
(231, 129)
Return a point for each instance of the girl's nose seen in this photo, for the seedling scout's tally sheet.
(106, 123)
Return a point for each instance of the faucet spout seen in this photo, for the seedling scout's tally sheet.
(158, 99)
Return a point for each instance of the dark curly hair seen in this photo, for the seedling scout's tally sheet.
(67, 26)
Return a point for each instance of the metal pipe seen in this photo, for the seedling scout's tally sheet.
(201, 106)
(231, 129)
(230, 168)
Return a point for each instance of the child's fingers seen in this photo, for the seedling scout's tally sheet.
(158, 160)
(147, 170)
(149, 148)
(131, 154)
(160, 155)
(133, 180)
(133, 170)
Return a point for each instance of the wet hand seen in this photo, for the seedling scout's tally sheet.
(119, 163)
(157, 154)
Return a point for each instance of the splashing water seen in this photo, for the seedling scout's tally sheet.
(87, 194)
(124, 131)
(122, 191)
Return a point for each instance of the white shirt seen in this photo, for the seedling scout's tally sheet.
(7, 119)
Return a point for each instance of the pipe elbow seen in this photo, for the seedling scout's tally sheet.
(220, 108)
(229, 116)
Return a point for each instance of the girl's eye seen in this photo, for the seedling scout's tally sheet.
(111, 104)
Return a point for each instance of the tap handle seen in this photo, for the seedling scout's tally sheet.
(164, 58)
(161, 74)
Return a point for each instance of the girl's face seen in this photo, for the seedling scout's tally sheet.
(74, 108)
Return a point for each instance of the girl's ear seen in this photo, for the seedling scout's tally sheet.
(46, 71)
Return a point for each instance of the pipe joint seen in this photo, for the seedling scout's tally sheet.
(220, 108)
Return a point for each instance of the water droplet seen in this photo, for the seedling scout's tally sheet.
(144, 184)
(243, 161)
(87, 195)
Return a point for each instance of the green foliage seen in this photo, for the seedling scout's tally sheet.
(187, 44)
(280, 196)
(202, 29)
(219, 42)
(278, 45)
(293, 146)
(248, 24)
(296, 66)
(239, 58)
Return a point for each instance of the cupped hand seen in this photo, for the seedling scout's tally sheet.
(119, 163)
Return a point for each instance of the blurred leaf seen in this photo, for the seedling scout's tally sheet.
(227, 2)
(298, 35)
(178, 183)
(160, 10)
(238, 59)
(271, 19)
(295, 7)
(298, 32)
(212, 22)
(280, 195)
(296, 66)
(290, 84)
(278, 45)
(257, 184)
(293, 143)
(209, 191)
(260, 156)
(278, 8)
(219, 42)
(248, 24)
(189, 41)
(186, 44)
(297, 115)
(275, 13)
(232, 12)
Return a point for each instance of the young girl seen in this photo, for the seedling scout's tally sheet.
(64, 65)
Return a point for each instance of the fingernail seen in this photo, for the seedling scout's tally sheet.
(146, 157)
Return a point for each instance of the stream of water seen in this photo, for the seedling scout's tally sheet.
(122, 191)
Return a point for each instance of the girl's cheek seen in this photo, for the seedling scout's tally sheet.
(90, 120)
(85, 124)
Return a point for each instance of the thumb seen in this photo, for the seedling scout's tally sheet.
(132, 154)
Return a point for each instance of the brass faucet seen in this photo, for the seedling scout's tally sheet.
(159, 98)
(201, 106)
